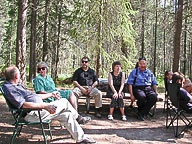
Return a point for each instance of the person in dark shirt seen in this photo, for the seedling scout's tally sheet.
(60, 109)
(85, 82)
(185, 99)
(116, 80)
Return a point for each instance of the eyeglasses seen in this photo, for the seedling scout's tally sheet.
(43, 68)
(85, 61)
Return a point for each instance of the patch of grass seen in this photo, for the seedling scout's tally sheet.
(64, 76)
(161, 86)
(160, 81)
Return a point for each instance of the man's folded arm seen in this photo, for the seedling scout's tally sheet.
(32, 105)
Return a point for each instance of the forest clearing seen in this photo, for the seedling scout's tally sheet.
(132, 131)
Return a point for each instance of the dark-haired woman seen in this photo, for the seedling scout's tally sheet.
(116, 80)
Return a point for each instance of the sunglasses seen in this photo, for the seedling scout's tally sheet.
(85, 61)
(43, 68)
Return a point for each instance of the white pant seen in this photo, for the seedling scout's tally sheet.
(94, 93)
(65, 114)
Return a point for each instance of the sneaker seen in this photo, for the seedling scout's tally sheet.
(86, 141)
(110, 117)
(124, 118)
(83, 120)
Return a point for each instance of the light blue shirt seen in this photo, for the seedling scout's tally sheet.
(17, 95)
(145, 78)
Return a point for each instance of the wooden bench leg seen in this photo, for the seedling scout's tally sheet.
(88, 104)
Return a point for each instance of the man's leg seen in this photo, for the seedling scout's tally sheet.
(140, 95)
(67, 116)
(73, 100)
(68, 94)
(98, 100)
(151, 100)
(77, 93)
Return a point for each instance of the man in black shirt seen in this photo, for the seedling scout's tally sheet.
(85, 82)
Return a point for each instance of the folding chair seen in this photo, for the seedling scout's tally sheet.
(175, 114)
(166, 94)
(19, 122)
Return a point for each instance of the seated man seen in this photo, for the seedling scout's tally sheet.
(188, 86)
(186, 82)
(85, 82)
(185, 99)
(19, 97)
(143, 87)
(44, 84)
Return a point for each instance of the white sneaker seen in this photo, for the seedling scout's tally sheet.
(124, 118)
(110, 117)
(86, 141)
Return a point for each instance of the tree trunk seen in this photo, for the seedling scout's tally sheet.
(177, 36)
(190, 69)
(143, 28)
(53, 56)
(32, 63)
(185, 47)
(10, 44)
(164, 43)
(98, 62)
(58, 41)
(155, 43)
(21, 40)
(45, 37)
(124, 47)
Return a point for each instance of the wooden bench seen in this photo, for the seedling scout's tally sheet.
(88, 98)
(103, 86)
(127, 96)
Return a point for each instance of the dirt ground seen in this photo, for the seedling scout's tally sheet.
(133, 131)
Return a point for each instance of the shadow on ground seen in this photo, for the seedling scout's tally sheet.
(102, 130)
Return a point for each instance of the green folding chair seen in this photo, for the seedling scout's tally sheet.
(19, 122)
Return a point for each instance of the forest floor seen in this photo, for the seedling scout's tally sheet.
(133, 131)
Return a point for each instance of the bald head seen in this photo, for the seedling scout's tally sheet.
(10, 72)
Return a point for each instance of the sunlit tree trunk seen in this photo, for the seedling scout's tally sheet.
(32, 63)
(58, 41)
(177, 37)
(98, 62)
(21, 39)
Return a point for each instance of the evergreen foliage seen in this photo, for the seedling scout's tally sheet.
(73, 32)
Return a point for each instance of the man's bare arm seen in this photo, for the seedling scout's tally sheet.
(46, 106)
(76, 84)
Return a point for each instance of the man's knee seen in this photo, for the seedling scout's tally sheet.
(152, 97)
(140, 96)
(77, 92)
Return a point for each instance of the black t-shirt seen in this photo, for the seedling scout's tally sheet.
(85, 78)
